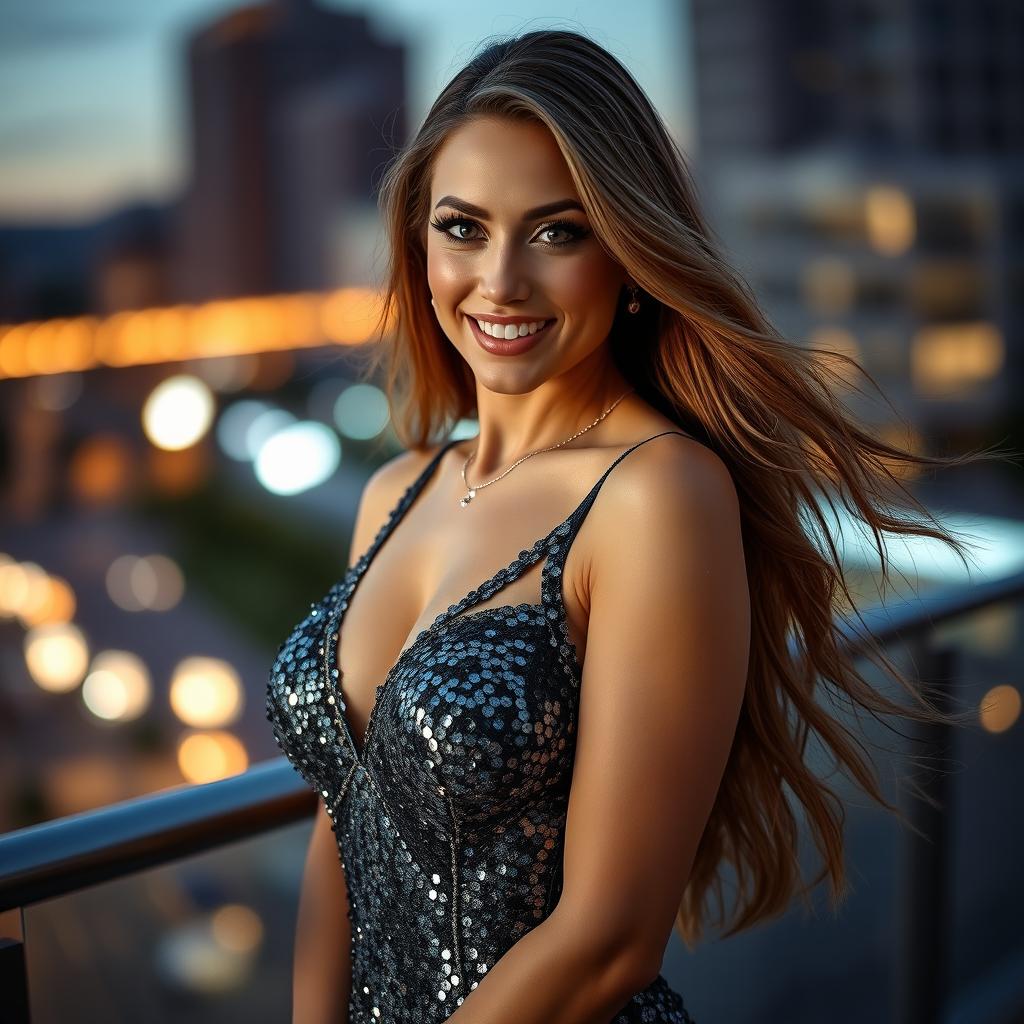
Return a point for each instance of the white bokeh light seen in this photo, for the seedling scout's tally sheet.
(297, 458)
(206, 692)
(117, 688)
(57, 656)
(178, 412)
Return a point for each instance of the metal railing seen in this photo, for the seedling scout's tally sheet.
(67, 855)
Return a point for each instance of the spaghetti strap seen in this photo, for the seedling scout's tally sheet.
(552, 547)
(558, 549)
(401, 507)
(575, 519)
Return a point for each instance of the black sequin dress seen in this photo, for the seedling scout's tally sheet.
(450, 820)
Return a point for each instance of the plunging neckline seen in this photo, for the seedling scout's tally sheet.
(335, 617)
(335, 621)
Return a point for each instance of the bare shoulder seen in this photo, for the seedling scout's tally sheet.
(381, 493)
(670, 492)
(392, 477)
(665, 471)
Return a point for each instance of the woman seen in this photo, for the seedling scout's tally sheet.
(532, 767)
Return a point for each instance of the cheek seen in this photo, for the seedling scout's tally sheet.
(587, 285)
(445, 274)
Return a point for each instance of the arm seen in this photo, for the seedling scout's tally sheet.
(664, 676)
(322, 970)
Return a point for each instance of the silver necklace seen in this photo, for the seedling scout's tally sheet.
(471, 491)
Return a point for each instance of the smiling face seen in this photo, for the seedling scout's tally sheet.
(493, 252)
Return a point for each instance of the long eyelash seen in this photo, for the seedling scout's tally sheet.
(443, 223)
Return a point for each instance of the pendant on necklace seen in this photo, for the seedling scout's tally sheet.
(470, 495)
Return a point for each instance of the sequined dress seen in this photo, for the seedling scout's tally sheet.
(450, 820)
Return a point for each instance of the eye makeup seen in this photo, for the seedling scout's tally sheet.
(444, 222)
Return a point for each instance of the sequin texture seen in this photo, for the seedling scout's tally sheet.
(450, 820)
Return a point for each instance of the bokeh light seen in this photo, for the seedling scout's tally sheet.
(58, 604)
(1000, 708)
(57, 656)
(264, 427)
(361, 411)
(178, 412)
(297, 458)
(209, 756)
(233, 425)
(205, 692)
(101, 469)
(145, 583)
(889, 218)
(23, 587)
(118, 687)
(28, 592)
(237, 928)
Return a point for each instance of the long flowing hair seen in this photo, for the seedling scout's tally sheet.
(702, 353)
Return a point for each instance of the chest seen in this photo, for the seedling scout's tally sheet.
(475, 719)
(475, 723)
(410, 584)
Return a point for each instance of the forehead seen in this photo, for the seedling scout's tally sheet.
(501, 164)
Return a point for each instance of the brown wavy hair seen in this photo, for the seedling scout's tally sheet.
(703, 354)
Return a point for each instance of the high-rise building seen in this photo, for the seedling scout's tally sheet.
(923, 76)
(292, 110)
(863, 164)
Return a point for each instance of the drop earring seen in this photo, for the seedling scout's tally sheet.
(634, 302)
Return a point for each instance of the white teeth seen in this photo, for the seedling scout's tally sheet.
(510, 331)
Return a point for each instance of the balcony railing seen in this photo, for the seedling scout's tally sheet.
(935, 916)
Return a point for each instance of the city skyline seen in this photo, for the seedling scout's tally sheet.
(100, 122)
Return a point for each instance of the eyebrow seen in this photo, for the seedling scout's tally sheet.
(538, 211)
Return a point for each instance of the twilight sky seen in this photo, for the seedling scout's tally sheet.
(93, 89)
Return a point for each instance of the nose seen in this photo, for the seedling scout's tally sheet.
(502, 280)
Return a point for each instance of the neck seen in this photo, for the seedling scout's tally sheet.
(512, 426)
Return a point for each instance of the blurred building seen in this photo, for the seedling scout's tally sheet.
(862, 162)
(129, 264)
(293, 110)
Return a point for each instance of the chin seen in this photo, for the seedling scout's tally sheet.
(509, 380)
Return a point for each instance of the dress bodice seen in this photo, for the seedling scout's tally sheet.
(450, 820)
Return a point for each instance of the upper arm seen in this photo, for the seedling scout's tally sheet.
(663, 682)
